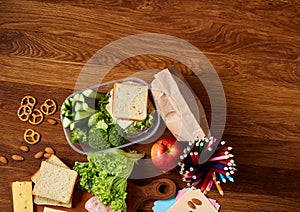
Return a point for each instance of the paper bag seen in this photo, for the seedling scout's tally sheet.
(180, 109)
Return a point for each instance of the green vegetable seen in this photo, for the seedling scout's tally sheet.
(64, 107)
(95, 118)
(67, 105)
(115, 135)
(102, 125)
(105, 176)
(66, 122)
(140, 125)
(92, 94)
(103, 99)
(78, 135)
(78, 106)
(98, 138)
(78, 97)
(69, 114)
(81, 115)
(87, 108)
(72, 126)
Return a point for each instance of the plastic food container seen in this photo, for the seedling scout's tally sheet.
(146, 135)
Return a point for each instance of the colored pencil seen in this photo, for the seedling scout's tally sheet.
(217, 168)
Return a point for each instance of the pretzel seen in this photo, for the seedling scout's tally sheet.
(31, 136)
(36, 117)
(24, 112)
(28, 100)
(49, 107)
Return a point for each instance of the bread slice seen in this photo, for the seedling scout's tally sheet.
(45, 201)
(122, 123)
(130, 101)
(55, 183)
(53, 160)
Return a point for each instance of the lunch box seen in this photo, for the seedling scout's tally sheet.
(147, 135)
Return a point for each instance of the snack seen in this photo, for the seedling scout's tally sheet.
(47, 155)
(122, 123)
(49, 150)
(24, 112)
(36, 117)
(24, 148)
(54, 160)
(49, 107)
(129, 101)
(22, 196)
(17, 157)
(55, 183)
(87, 117)
(28, 100)
(52, 121)
(44, 201)
(31, 136)
(3, 160)
(39, 155)
(165, 154)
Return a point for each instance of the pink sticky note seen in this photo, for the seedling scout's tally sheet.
(180, 193)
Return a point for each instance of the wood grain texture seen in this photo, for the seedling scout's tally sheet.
(253, 45)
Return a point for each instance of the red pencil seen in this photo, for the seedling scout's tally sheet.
(207, 178)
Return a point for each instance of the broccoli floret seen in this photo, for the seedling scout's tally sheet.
(98, 138)
(116, 135)
(78, 135)
(140, 125)
(95, 118)
(102, 113)
(102, 125)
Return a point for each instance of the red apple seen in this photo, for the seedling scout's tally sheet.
(165, 154)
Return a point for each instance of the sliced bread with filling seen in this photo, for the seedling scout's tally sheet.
(129, 101)
(55, 183)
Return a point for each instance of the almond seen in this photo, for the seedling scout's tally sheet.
(24, 148)
(17, 157)
(49, 150)
(47, 155)
(39, 154)
(52, 121)
(3, 159)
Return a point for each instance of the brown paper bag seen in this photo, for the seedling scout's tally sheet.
(180, 109)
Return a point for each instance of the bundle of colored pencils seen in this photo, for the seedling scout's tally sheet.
(205, 162)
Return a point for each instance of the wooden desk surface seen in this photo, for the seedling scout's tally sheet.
(253, 45)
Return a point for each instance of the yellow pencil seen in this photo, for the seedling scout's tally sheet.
(219, 187)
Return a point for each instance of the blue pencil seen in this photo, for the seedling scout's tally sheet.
(229, 178)
(222, 177)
